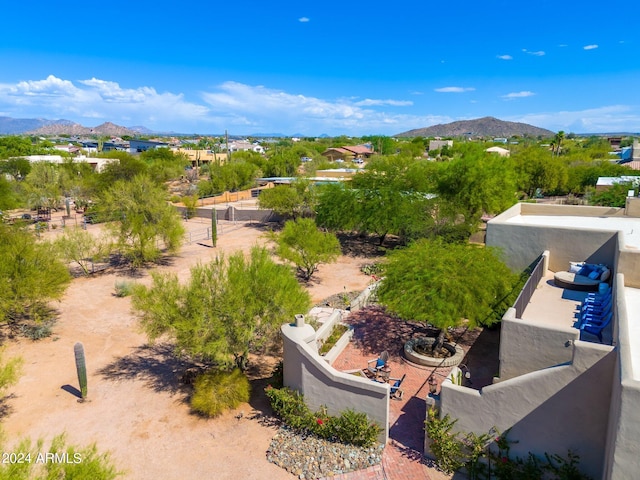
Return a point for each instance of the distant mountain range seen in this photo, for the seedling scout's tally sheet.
(481, 127)
(43, 126)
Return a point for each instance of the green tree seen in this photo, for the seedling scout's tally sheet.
(289, 201)
(477, 183)
(79, 246)
(140, 218)
(18, 168)
(228, 307)
(301, 243)
(444, 285)
(614, 196)
(30, 275)
(124, 167)
(537, 168)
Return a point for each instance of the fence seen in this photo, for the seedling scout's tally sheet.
(530, 287)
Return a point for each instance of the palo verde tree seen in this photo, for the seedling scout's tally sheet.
(140, 217)
(228, 308)
(301, 243)
(30, 275)
(289, 201)
(82, 248)
(445, 285)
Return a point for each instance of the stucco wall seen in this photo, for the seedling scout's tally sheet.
(321, 384)
(522, 244)
(550, 410)
(526, 346)
(622, 459)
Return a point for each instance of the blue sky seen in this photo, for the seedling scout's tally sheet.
(349, 67)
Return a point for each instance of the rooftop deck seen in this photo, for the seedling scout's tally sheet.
(557, 307)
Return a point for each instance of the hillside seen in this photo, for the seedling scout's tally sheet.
(17, 126)
(481, 127)
(107, 128)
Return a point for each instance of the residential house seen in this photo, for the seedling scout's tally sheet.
(348, 153)
(137, 146)
(559, 388)
(438, 144)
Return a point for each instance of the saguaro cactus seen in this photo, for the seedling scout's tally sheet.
(81, 367)
(214, 226)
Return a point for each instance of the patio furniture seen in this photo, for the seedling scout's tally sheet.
(395, 392)
(378, 367)
(596, 326)
(583, 277)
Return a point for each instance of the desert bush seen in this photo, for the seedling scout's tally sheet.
(217, 391)
(82, 463)
(124, 288)
(350, 426)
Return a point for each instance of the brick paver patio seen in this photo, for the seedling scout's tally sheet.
(376, 331)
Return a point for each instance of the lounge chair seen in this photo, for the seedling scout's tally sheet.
(379, 365)
(596, 326)
(395, 392)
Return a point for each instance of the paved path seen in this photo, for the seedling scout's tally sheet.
(376, 331)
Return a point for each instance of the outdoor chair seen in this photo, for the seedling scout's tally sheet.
(379, 365)
(595, 327)
(395, 392)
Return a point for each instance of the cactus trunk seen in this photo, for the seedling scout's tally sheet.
(81, 367)
(214, 226)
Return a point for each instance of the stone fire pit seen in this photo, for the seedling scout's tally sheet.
(457, 354)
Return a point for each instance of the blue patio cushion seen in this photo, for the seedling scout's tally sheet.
(380, 363)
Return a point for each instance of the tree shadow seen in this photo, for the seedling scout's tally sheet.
(376, 330)
(260, 377)
(483, 358)
(158, 366)
(5, 408)
(408, 430)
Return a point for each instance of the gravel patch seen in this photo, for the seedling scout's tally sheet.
(309, 457)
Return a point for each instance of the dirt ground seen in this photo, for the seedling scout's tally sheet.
(137, 406)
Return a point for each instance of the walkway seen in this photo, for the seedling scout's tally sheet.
(376, 331)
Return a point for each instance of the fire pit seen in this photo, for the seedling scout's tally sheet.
(418, 351)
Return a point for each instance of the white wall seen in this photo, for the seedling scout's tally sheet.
(550, 410)
(321, 384)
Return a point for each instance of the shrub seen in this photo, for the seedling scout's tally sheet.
(349, 427)
(338, 330)
(82, 462)
(453, 451)
(124, 288)
(217, 391)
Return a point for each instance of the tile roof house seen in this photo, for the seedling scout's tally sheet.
(348, 153)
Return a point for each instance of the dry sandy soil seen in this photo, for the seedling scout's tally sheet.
(137, 406)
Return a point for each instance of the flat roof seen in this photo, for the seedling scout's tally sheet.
(632, 299)
(629, 226)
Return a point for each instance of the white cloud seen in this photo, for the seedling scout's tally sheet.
(512, 95)
(539, 53)
(303, 19)
(505, 57)
(590, 47)
(368, 102)
(97, 100)
(275, 110)
(611, 118)
(454, 89)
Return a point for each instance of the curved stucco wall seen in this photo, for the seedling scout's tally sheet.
(321, 384)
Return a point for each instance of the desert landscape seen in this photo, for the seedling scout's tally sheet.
(137, 406)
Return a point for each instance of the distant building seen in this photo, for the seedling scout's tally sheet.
(438, 144)
(503, 152)
(348, 153)
(138, 146)
(605, 183)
